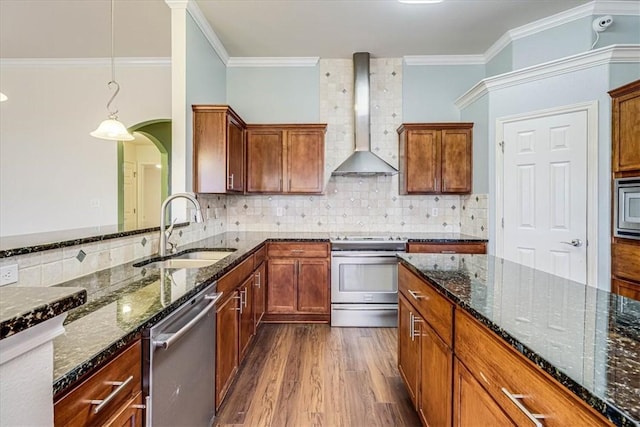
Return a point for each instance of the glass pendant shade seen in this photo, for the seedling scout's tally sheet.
(3, 97)
(113, 130)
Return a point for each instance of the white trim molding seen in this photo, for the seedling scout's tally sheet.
(591, 108)
(444, 60)
(310, 61)
(606, 55)
(197, 15)
(25, 341)
(86, 62)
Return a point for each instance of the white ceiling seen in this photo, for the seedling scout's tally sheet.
(271, 28)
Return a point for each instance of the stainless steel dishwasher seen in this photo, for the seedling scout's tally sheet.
(179, 364)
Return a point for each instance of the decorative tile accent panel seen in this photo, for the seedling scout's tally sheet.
(473, 218)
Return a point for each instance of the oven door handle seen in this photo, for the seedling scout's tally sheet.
(366, 255)
(171, 338)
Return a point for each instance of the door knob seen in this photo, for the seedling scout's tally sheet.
(575, 242)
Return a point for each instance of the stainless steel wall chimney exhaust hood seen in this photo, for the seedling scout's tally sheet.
(363, 162)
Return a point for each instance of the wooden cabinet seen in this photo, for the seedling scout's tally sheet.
(118, 384)
(285, 158)
(227, 345)
(298, 282)
(435, 158)
(448, 248)
(625, 127)
(247, 320)
(473, 405)
(218, 150)
(425, 355)
(625, 137)
(513, 382)
(260, 293)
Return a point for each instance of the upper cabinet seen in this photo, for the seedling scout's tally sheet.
(218, 150)
(625, 124)
(285, 158)
(435, 158)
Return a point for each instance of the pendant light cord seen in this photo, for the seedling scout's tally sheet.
(113, 114)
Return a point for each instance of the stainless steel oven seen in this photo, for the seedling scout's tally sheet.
(627, 208)
(364, 281)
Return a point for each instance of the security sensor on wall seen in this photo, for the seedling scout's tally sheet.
(599, 25)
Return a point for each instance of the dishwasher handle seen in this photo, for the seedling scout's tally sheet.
(171, 338)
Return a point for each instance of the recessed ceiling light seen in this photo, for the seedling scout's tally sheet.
(419, 1)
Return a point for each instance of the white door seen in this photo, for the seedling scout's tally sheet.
(130, 197)
(149, 196)
(545, 193)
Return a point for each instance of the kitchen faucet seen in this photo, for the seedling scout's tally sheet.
(164, 236)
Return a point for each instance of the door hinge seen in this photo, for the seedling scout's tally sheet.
(502, 222)
(135, 174)
(501, 144)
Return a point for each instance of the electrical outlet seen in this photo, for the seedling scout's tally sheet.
(434, 212)
(279, 211)
(8, 274)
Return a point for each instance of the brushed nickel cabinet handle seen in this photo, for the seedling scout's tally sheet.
(448, 252)
(411, 325)
(258, 280)
(231, 182)
(415, 295)
(515, 398)
(239, 305)
(100, 404)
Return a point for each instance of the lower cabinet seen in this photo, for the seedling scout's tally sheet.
(247, 321)
(227, 345)
(259, 293)
(298, 282)
(110, 396)
(434, 404)
(408, 349)
(473, 405)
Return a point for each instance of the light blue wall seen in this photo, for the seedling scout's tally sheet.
(206, 82)
(557, 42)
(275, 94)
(625, 29)
(429, 91)
(621, 74)
(501, 63)
(478, 113)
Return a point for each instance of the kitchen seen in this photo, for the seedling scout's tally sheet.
(339, 209)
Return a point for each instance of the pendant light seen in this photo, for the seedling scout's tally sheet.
(112, 129)
(3, 97)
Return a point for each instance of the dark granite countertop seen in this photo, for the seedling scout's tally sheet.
(125, 300)
(587, 339)
(23, 308)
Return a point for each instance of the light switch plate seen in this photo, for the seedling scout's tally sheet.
(8, 274)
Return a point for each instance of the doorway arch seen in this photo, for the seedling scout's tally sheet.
(158, 131)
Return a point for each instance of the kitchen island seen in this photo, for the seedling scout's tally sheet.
(586, 339)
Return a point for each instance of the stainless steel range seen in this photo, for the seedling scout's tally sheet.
(364, 280)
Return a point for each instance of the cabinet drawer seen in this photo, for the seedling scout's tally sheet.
(75, 409)
(625, 261)
(230, 281)
(433, 307)
(448, 248)
(298, 250)
(502, 370)
(626, 288)
(259, 257)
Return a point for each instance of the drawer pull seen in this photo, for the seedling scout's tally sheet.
(515, 398)
(411, 325)
(297, 251)
(448, 252)
(100, 404)
(416, 295)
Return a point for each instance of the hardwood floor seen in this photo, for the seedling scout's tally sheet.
(315, 375)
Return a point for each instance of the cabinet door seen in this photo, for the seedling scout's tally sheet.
(305, 161)
(130, 416)
(436, 386)
(209, 152)
(456, 161)
(408, 348)
(313, 286)
(264, 161)
(473, 406)
(235, 156)
(226, 346)
(423, 161)
(259, 293)
(247, 321)
(281, 292)
(626, 130)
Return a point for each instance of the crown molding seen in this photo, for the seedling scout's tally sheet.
(310, 61)
(177, 4)
(626, 53)
(616, 7)
(197, 15)
(444, 60)
(86, 62)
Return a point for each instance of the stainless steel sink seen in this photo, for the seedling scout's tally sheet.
(196, 259)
